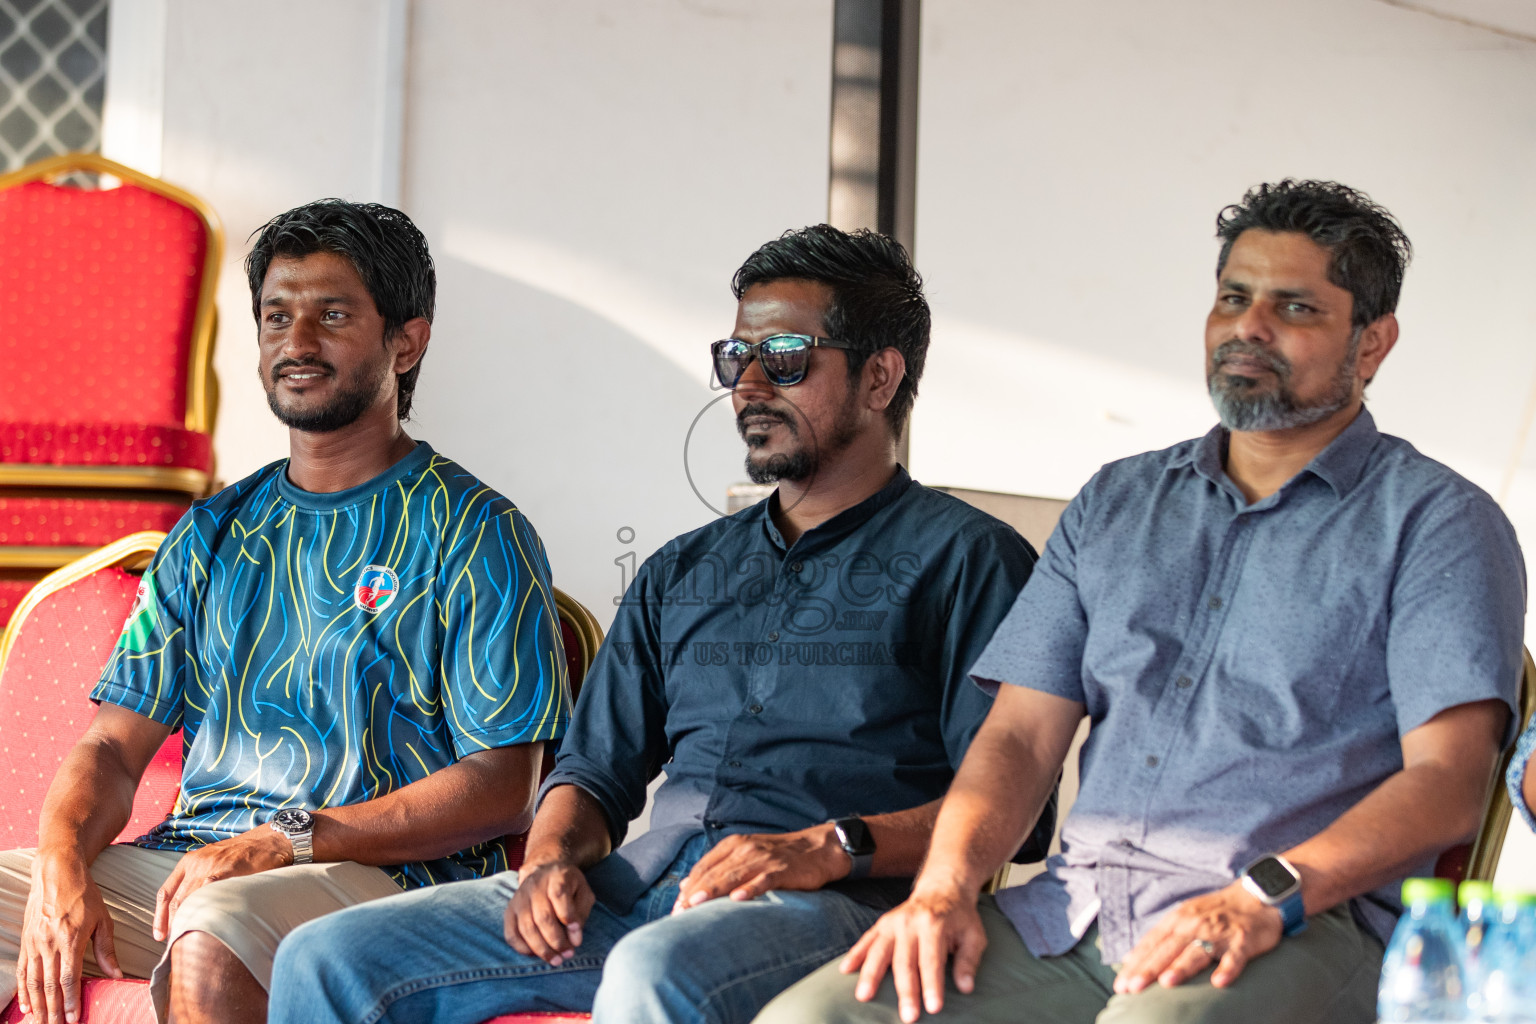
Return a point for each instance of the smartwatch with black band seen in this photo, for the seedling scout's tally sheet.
(853, 836)
(1277, 884)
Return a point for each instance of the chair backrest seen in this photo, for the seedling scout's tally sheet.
(1034, 518)
(51, 655)
(106, 298)
(582, 636)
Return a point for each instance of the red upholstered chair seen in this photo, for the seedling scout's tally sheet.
(106, 332)
(51, 655)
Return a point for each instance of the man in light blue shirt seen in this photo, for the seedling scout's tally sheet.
(1297, 641)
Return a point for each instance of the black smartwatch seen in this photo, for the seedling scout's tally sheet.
(1277, 884)
(853, 836)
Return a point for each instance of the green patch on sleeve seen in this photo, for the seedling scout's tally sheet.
(141, 621)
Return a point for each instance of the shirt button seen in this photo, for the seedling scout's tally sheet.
(733, 764)
(1184, 682)
(711, 823)
(1151, 760)
(774, 635)
(755, 709)
(796, 567)
(1214, 603)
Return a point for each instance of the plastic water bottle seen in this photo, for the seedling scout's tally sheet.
(1479, 919)
(1423, 973)
(1509, 962)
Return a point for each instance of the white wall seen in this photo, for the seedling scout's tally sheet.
(258, 119)
(1072, 158)
(590, 175)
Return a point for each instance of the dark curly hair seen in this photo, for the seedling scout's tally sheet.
(387, 250)
(877, 297)
(1368, 250)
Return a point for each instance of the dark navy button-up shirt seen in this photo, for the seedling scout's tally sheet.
(1248, 670)
(779, 686)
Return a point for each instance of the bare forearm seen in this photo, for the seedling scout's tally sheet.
(570, 828)
(88, 803)
(984, 819)
(1403, 823)
(1433, 803)
(480, 797)
(901, 839)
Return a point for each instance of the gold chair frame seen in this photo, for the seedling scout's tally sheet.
(1499, 808)
(131, 552)
(202, 387)
(589, 635)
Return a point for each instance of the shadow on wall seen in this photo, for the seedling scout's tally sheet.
(575, 419)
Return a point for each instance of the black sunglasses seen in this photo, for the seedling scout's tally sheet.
(785, 357)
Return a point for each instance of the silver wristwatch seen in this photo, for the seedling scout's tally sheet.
(299, 826)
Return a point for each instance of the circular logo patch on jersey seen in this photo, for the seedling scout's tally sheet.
(376, 588)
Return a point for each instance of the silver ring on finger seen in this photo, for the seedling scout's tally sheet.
(1207, 947)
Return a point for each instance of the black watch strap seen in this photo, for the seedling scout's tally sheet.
(857, 842)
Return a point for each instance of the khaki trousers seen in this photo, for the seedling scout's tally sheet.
(1325, 975)
(250, 915)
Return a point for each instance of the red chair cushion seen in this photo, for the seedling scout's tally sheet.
(11, 593)
(82, 522)
(104, 444)
(98, 296)
(572, 655)
(44, 685)
(106, 1001)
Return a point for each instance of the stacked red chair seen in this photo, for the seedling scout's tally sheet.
(51, 656)
(106, 330)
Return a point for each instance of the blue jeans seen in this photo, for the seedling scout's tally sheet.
(438, 955)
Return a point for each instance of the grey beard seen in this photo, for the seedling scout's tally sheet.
(1273, 410)
(1239, 408)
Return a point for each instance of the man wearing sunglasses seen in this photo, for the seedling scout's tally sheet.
(798, 672)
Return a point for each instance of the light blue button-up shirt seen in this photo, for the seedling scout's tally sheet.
(1249, 670)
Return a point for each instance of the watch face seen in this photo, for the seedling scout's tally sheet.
(854, 836)
(1272, 877)
(293, 819)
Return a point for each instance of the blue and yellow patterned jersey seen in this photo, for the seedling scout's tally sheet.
(319, 650)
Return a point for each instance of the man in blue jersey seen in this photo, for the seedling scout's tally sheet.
(798, 672)
(359, 643)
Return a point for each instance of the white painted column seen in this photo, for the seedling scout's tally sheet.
(133, 114)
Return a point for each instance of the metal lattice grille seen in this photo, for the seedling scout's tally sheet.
(52, 78)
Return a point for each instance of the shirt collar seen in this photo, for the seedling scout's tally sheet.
(1340, 465)
(844, 521)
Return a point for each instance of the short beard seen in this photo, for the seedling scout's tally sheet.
(1243, 409)
(804, 462)
(351, 401)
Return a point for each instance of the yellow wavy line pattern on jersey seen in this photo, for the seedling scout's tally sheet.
(293, 693)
